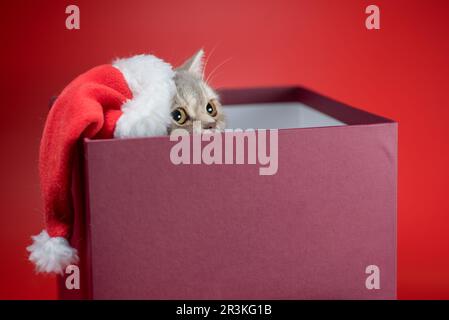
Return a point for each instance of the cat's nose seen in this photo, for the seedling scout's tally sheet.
(209, 125)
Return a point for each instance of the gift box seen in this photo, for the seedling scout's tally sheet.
(320, 225)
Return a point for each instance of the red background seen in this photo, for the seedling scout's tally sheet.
(400, 71)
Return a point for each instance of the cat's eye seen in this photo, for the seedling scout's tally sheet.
(180, 116)
(211, 109)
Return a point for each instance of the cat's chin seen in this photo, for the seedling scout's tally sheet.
(209, 131)
(191, 130)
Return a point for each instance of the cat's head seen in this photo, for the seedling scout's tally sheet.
(195, 101)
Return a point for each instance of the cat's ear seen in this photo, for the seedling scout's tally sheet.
(194, 64)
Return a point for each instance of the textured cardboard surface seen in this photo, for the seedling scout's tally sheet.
(160, 231)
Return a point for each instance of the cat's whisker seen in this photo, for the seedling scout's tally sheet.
(213, 72)
(213, 76)
(216, 68)
(207, 59)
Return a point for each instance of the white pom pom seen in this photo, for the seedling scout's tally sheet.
(51, 254)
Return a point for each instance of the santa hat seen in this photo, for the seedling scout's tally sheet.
(129, 98)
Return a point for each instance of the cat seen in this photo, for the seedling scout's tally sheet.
(196, 106)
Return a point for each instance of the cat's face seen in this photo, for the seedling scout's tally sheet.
(195, 101)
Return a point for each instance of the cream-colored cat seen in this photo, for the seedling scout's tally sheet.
(195, 101)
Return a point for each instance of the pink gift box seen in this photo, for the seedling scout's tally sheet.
(149, 229)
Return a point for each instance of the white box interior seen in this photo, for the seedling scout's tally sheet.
(281, 115)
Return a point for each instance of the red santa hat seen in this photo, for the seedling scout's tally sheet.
(129, 98)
